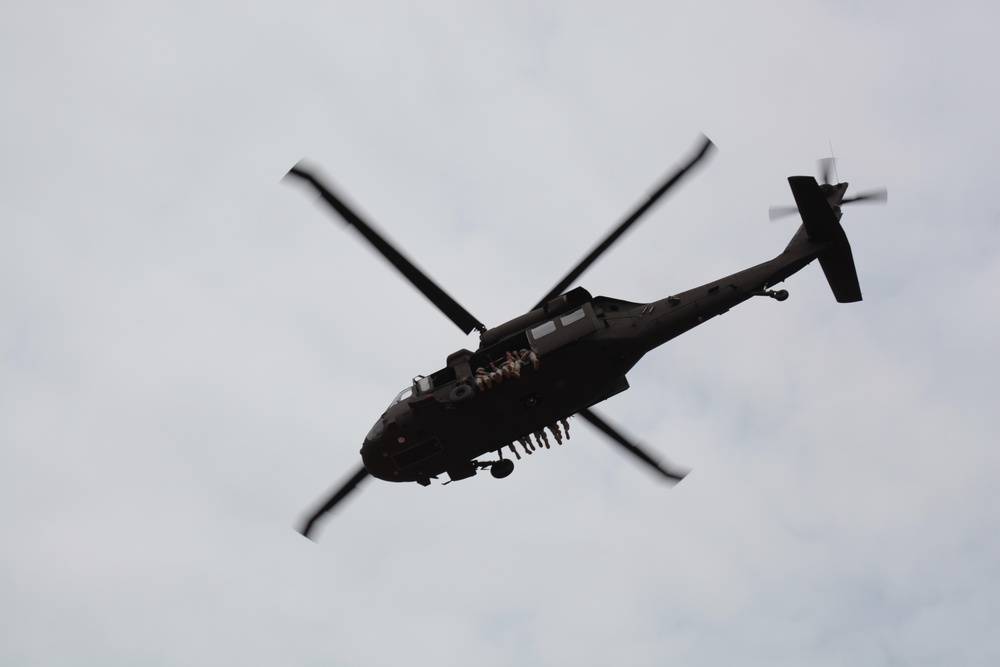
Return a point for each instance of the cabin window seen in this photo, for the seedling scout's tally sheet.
(443, 376)
(572, 317)
(543, 329)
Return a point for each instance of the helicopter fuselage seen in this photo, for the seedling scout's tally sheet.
(542, 367)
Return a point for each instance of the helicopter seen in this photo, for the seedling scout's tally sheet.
(569, 352)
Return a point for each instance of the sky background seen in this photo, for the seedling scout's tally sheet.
(192, 351)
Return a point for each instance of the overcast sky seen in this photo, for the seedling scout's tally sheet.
(192, 351)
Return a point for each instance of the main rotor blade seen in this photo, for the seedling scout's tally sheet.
(612, 433)
(703, 150)
(339, 495)
(447, 305)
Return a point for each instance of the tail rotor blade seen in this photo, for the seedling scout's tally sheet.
(879, 196)
(332, 501)
(447, 305)
(777, 212)
(702, 151)
(613, 433)
(825, 169)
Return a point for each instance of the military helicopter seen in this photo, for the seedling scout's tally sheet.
(568, 353)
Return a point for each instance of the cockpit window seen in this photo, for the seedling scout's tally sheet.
(423, 385)
(376, 431)
(402, 396)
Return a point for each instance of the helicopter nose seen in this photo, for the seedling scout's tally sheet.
(381, 467)
(375, 456)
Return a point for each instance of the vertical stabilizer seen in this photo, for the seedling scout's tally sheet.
(822, 225)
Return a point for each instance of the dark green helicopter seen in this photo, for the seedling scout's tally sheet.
(569, 352)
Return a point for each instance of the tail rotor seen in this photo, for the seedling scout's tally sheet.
(835, 193)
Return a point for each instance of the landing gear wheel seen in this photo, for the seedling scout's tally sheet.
(461, 393)
(502, 468)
